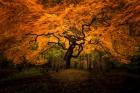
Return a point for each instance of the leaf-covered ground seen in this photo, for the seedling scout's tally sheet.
(74, 81)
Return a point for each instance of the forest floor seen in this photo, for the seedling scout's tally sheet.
(74, 81)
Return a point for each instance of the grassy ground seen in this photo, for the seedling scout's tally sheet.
(74, 81)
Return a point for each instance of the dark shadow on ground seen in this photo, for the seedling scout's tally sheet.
(74, 81)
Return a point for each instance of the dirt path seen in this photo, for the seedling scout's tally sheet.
(73, 81)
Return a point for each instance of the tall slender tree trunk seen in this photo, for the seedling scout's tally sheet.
(69, 55)
(68, 61)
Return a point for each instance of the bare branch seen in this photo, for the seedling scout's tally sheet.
(99, 43)
(80, 49)
(58, 43)
(38, 35)
(49, 34)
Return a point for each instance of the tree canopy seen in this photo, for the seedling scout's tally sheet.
(114, 27)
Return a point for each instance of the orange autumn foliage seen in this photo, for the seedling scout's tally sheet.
(20, 17)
